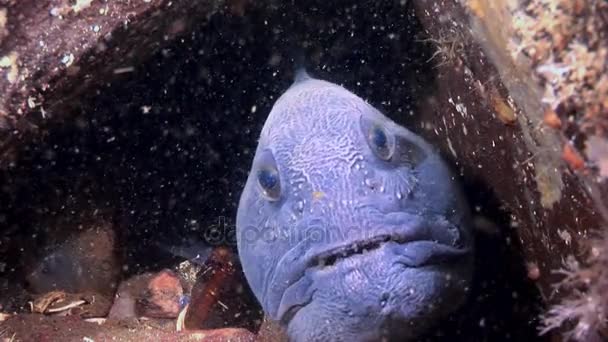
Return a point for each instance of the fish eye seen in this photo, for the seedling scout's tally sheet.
(379, 140)
(268, 177)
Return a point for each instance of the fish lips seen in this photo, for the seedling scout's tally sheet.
(409, 240)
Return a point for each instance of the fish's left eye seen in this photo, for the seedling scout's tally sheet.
(379, 140)
(268, 177)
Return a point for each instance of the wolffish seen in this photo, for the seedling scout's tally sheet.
(351, 227)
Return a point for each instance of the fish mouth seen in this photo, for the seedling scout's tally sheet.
(409, 252)
(413, 241)
(335, 255)
(403, 252)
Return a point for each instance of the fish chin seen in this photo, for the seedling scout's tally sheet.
(375, 296)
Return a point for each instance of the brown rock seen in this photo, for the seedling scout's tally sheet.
(271, 331)
(162, 297)
(123, 306)
(49, 48)
(86, 262)
(148, 295)
(220, 335)
(28, 327)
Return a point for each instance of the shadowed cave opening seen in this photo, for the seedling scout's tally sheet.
(161, 154)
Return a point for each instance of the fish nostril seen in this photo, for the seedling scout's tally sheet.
(372, 184)
(457, 240)
(299, 207)
(384, 299)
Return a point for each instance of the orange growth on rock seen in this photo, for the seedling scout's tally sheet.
(551, 119)
(572, 157)
(505, 113)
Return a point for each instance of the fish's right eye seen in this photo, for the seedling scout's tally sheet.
(268, 177)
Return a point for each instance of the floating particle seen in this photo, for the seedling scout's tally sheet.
(67, 59)
(124, 70)
(533, 271)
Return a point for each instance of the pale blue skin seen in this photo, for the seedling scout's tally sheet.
(336, 193)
